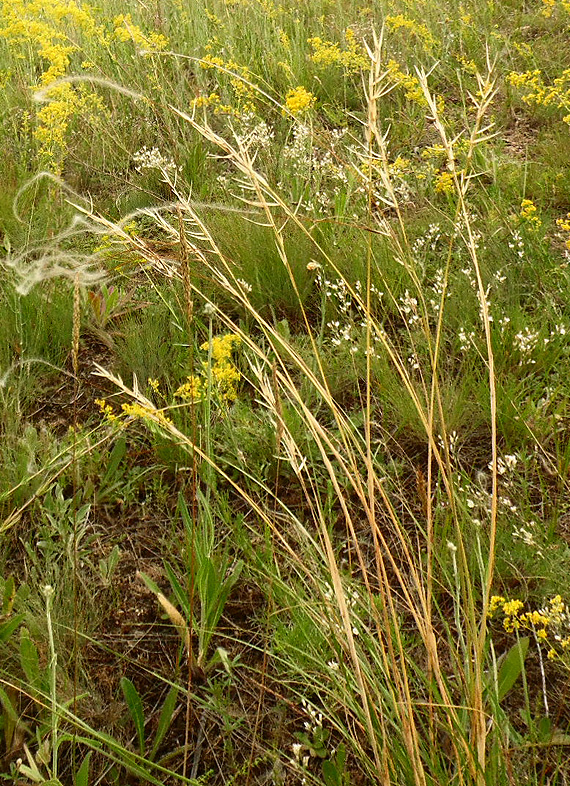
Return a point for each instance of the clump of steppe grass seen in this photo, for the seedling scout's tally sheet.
(384, 641)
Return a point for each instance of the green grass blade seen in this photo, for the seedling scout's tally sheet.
(134, 703)
(165, 719)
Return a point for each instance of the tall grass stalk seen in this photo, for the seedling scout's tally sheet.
(52, 672)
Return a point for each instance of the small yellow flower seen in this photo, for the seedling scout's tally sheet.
(299, 100)
(106, 409)
(564, 226)
(444, 183)
(494, 603)
(528, 214)
(136, 410)
(192, 390)
(511, 608)
(222, 346)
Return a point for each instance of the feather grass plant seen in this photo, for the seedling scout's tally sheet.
(409, 691)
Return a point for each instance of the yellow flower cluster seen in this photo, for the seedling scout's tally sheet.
(42, 26)
(410, 26)
(64, 104)
(224, 373)
(444, 183)
(549, 624)
(400, 166)
(536, 92)
(150, 414)
(222, 347)
(106, 409)
(469, 66)
(135, 411)
(550, 6)
(242, 86)
(221, 374)
(269, 8)
(299, 100)
(411, 84)
(214, 101)
(514, 620)
(528, 214)
(352, 58)
(47, 29)
(218, 377)
(126, 30)
(564, 225)
(191, 390)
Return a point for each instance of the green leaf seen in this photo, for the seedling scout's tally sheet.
(180, 593)
(29, 658)
(544, 729)
(152, 586)
(341, 756)
(165, 719)
(283, 329)
(559, 738)
(82, 774)
(117, 455)
(8, 627)
(511, 667)
(10, 718)
(135, 706)
(331, 775)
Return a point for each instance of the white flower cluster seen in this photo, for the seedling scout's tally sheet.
(302, 751)
(348, 329)
(352, 598)
(506, 464)
(452, 441)
(465, 339)
(153, 159)
(323, 168)
(254, 134)
(438, 288)
(484, 302)
(517, 244)
(428, 241)
(409, 307)
(525, 341)
(527, 534)
(558, 615)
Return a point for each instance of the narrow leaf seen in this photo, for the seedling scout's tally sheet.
(135, 706)
(165, 719)
(29, 659)
(8, 627)
(511, 667)
(82, 775)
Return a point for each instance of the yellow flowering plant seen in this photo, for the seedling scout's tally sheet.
(528, 215)
(299, 100)
(351, 57)
(218, 378)
(550, 624)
